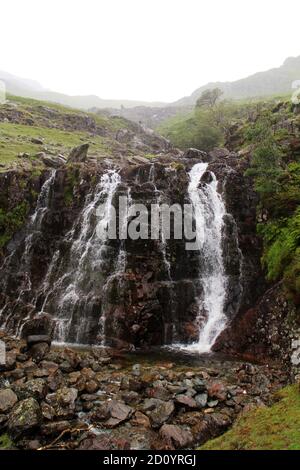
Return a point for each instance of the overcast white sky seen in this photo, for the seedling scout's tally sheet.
(144, 49)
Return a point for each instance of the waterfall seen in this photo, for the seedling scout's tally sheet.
(162, 240)
(209, 210)
(34, 227)
(77, 279)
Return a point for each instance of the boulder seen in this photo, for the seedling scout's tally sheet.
(161, 413)
(24, 419)
(176, 436)
(35, 388)
(195, 153)
(186, 401)
(36, 339)
(79, 154)
(7, 400)
(39, 351)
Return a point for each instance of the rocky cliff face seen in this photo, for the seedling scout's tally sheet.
(122, 292)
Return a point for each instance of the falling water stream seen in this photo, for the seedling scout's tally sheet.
(209, 210)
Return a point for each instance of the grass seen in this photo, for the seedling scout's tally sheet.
(271, 428)
(16, 139)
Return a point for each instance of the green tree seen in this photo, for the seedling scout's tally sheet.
(209, 98)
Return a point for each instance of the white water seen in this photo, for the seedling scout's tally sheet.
(209, 210)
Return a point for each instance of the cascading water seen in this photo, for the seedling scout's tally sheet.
(209, 210)
(84, 272)
(33, 228)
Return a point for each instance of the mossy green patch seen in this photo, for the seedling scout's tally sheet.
(11, 221)
(5, 442)
(271, 428)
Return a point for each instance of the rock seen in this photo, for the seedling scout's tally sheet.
(33, 445)
(140, 419)
(219, 153)
(136, 370)
(42, 324)
(176, 436)
(7, 400)
(114, 411)
(158, 392)
(91, 386)
(39, 351)
(63, 401)
(37, 141)
(161, 413)
(48, 411)
(79, 154)
(104, 442)
(131, 398)
(211, 426)
(50, 367)
(201, 400)
(35, 388)
(25, 418)
(186, 401)
(195, 153)
(53, 429)
(10, 361)
(36, 339)
(51, 161)
(217, 391)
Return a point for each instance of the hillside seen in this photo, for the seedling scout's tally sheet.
(277, 81)
(32, 89)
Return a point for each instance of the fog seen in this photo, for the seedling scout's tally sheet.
(156, 50)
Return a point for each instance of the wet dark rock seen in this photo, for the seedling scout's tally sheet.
(195, 153)
(24, 419)
(131, 398)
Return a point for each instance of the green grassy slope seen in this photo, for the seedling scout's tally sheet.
(271, 428)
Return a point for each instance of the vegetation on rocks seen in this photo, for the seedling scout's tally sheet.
(11, 221)
(265, 428)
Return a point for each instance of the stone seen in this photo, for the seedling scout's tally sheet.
(10, 361)
(158, 392)
(79, 154)
(50, 367)
(140, 419)
(37, 141)
(36, 339)
(136, 370)
(91, 386)
(104, 442)
(55, 428)
(161, 413)
(25, 417)
(131, 398)
(210, 426)
(201, 399)
(48, 411)
(7, 400)
(176, 436)
(39, 351)
(217, 390)
(195, 153)
(63, 401)
(186, 401)
(35, 388)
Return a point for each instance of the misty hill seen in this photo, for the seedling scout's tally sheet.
(277, 81)
(31, 89)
